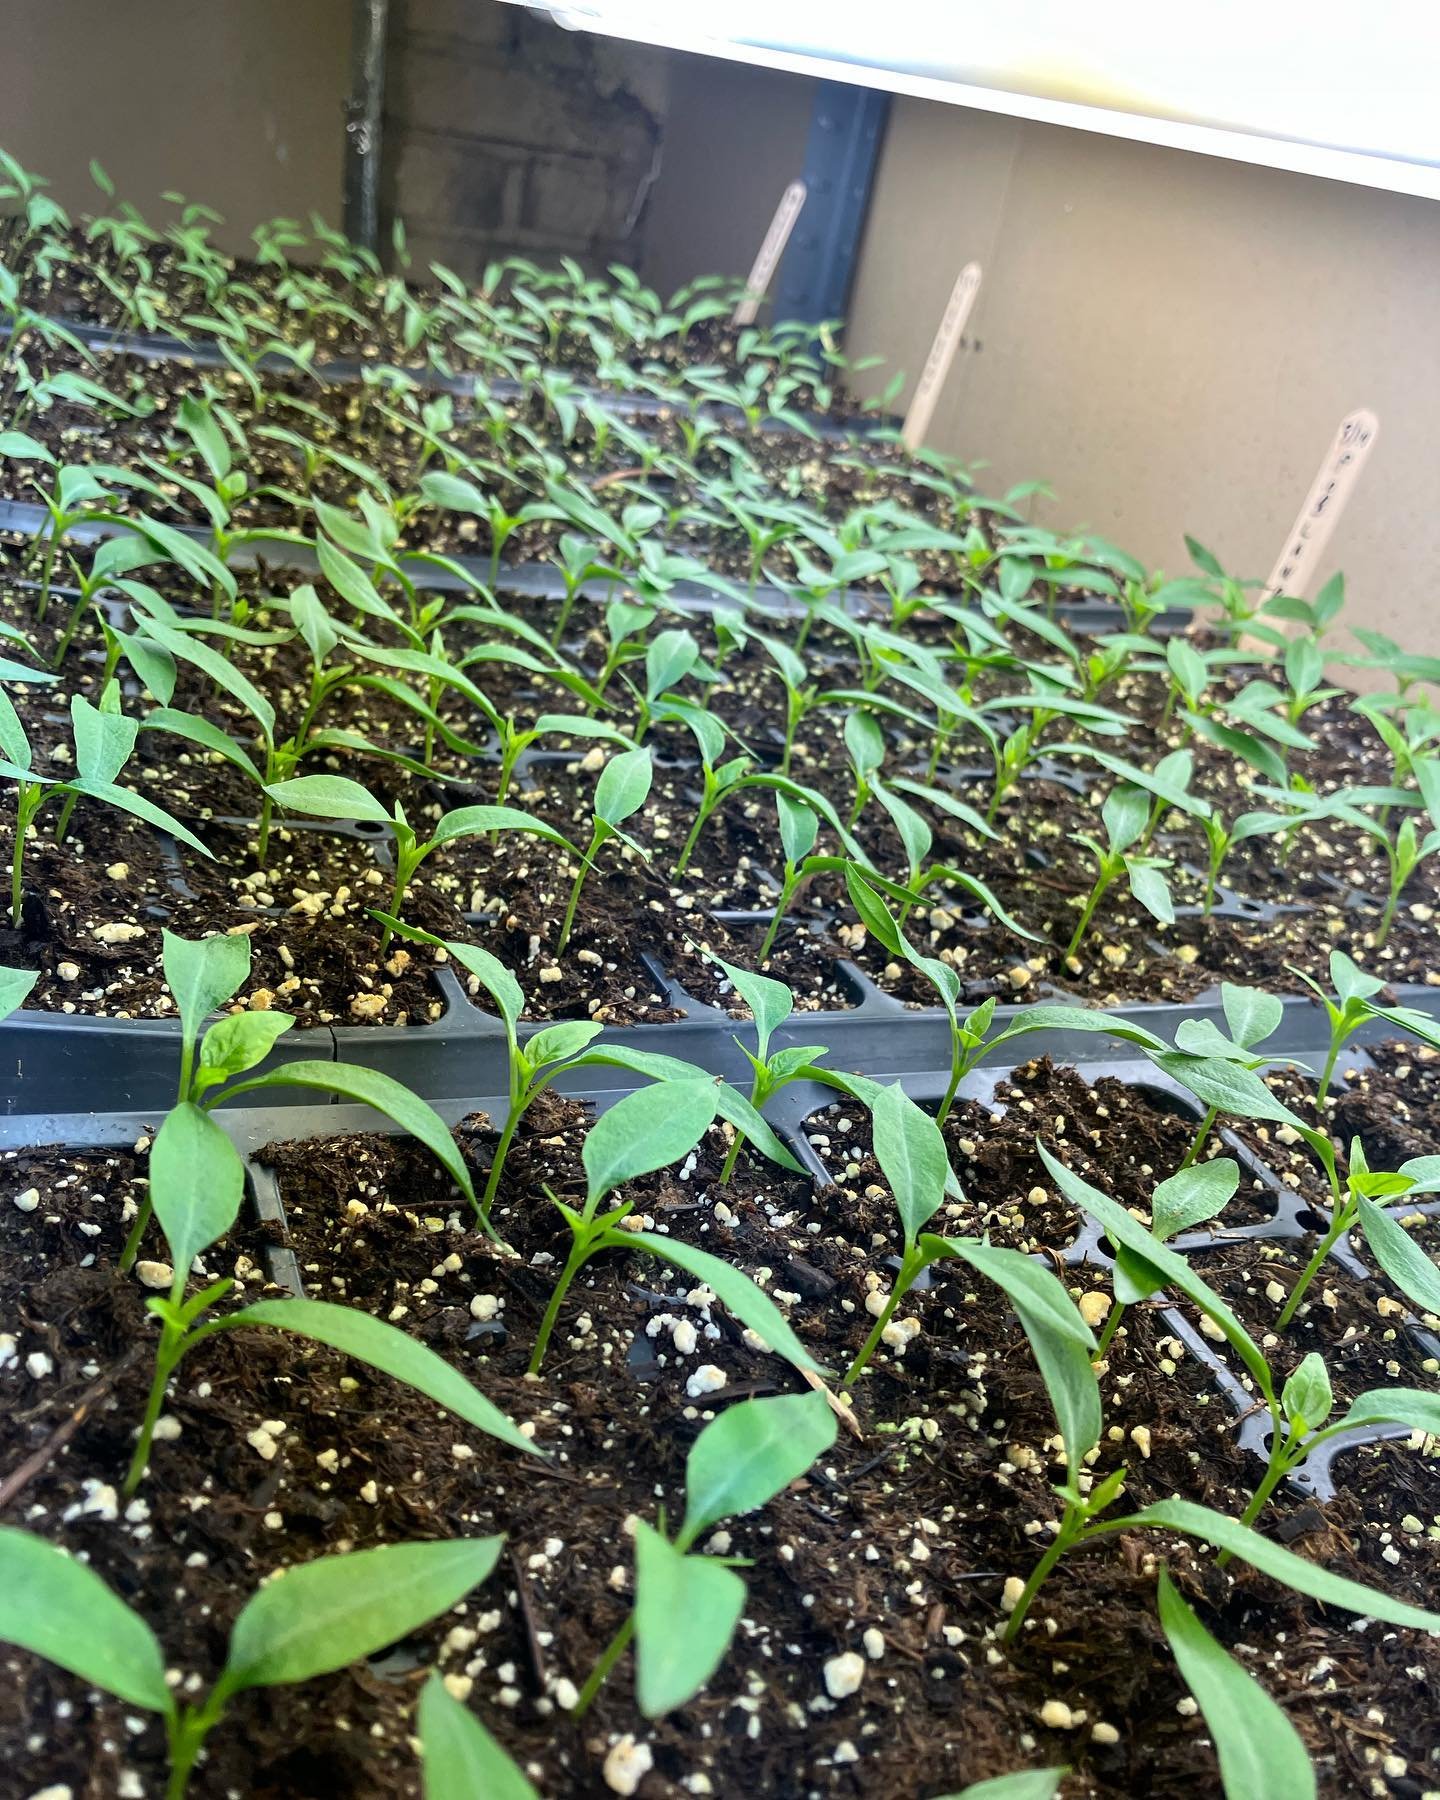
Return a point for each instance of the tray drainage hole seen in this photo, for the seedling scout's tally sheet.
(369, 827)
(1310, 1220)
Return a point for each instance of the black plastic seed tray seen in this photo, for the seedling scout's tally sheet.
(64, 1062)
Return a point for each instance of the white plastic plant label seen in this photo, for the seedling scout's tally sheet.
(942, 354)
(770, 252)
(1331, 489)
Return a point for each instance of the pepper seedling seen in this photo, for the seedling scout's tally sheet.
(1354, 1006)
(338, 797)
(104, 739)
(202, 976)
(648, 1130)
(911, 1152)
(770, 1003)
(197, 1181)
(1125, 814)
(1391, 1245)
(688, 1605)
(1065, 1367)
(623, 788)
(311, 1619)
(563, 1048)
(1021, 1784)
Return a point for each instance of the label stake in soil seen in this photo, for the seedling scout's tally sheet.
(942, 354)
(772, 248)
(1330, 490)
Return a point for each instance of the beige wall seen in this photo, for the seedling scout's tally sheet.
(734, 136)
(239, 103)
(1170, 340)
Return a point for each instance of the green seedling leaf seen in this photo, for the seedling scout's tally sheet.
(751, 1453)
(184, 646)
(1151, 890)
(1193, 1195)
(670, 656)
(371, 1340)
(1417, 1408)
(686, 1611)
(60, 1609)
(1228, 1086)
(1260, 1751)
(624, 785)
(1297, 1572)
(197, 1182)
(749, 1303)
(459, 1758)
(141, 808)
(372, 1087)
(647, 1130)
(1060, 1339)
(198, 731)
(329, 797)
(338, 1610)
(1307, 1397)
(475, 821)
(771, 1002)
(104, 737)
(1251, 1013)
(238, 1042)
(1024, 1784)
(910, 1149)
(453, 493)
(1165, 1266)
(15, 986)
(203, 976)
(1400, 1256)
(558, 1042)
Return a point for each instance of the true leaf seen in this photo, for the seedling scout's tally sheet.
(1307, 1397)
(1400, 1256)
(196, 1182)
(751, 1453)
(203, 975)
(624, 786)
(910, 1149)
(238, 1042)
(647, 1130)
(770, 1001)
(1193, 1195)
(1251, 1013)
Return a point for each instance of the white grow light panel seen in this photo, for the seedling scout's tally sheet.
(1325, 87)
